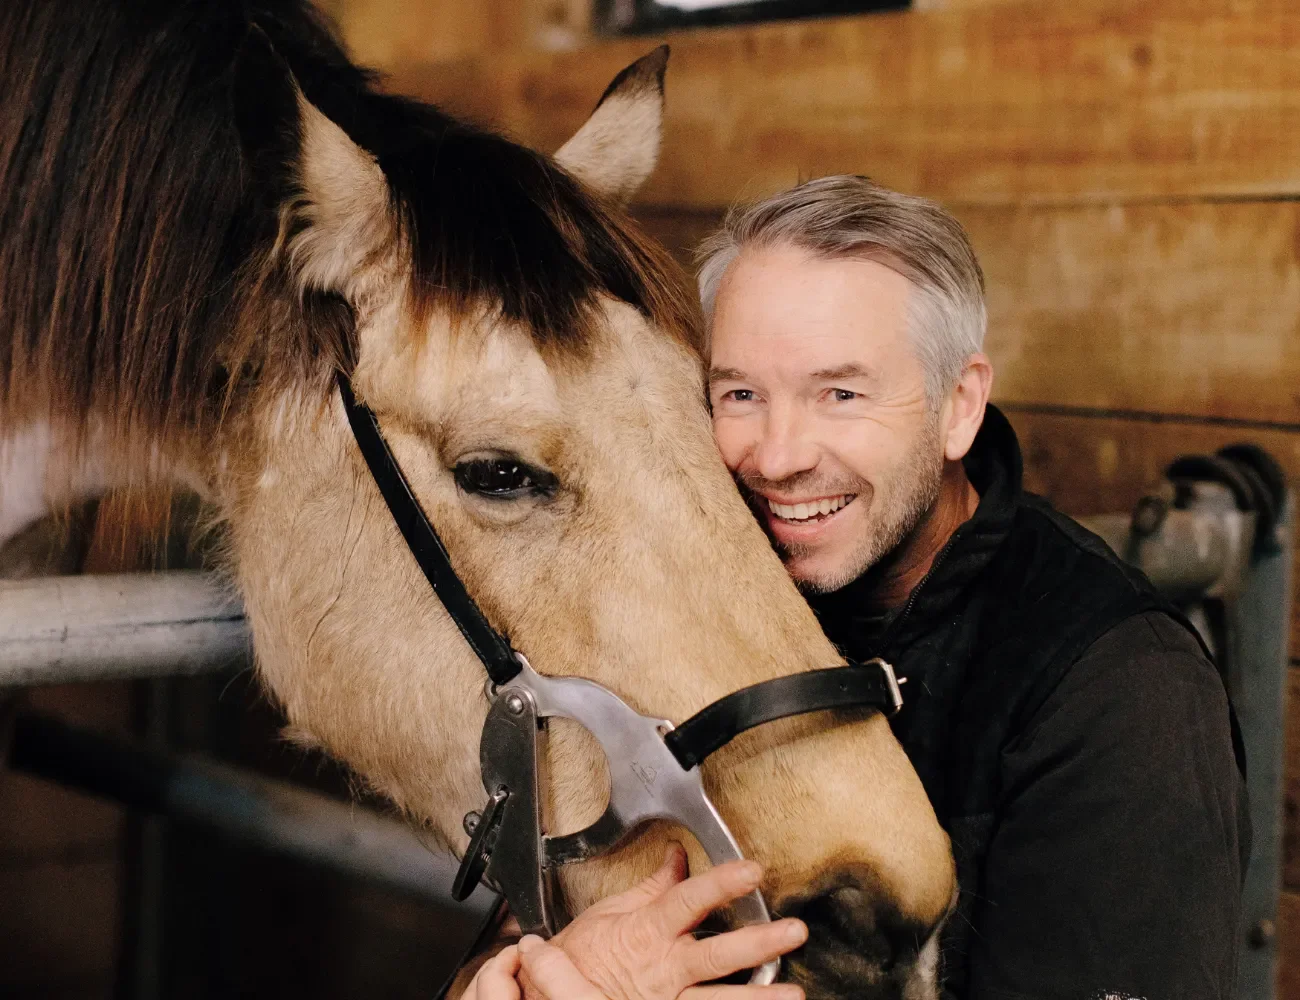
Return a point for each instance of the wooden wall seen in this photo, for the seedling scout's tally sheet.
(1129, 172)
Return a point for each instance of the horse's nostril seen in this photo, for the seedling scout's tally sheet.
(856, 935)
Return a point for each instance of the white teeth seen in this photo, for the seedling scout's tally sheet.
(808, 509)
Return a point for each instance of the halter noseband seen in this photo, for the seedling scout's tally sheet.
(652, 764)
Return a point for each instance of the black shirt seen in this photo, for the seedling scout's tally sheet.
(1075, 741)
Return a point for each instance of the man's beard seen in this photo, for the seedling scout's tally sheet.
(903, 502)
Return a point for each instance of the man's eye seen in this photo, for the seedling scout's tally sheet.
(742, 395)
(503, 478)
(844, 395)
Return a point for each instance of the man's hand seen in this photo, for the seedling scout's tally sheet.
(638, 945)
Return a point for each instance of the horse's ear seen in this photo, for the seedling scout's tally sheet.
(617, 149)
(336, 191)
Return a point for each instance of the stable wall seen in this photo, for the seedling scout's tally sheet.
(1129, 173)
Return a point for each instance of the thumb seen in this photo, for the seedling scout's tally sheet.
(553, 975)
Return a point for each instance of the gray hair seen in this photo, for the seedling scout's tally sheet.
(850, 217)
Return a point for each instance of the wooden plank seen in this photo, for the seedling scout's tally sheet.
(40, 822)
(58, 927)
(1288, 947)
(390, 32)
(1172, 308)
(1102, 100)
(1189, 308)
(1291, 801)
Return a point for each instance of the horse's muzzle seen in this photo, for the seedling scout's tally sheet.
(860, 946)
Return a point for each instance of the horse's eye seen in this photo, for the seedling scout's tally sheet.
(503, 478)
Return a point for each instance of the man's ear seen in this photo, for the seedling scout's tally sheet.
(965, 407)
(616, 151)
(332, 195)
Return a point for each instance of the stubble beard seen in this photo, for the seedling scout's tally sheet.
(903, 501)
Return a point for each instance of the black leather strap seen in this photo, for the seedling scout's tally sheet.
(488, 644)
(859, 684)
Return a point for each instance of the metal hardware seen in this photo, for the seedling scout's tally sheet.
(471, 821)
(510, 757)
(477, 855)
(893, 683)
(646, 783)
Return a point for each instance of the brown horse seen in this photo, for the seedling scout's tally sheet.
(206, 212)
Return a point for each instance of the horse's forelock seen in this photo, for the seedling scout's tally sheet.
(490, 224)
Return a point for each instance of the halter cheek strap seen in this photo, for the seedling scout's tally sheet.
(491, 647)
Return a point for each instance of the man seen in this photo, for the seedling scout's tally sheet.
(1068, 726)
(1072, 734)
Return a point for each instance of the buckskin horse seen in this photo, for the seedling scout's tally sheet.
(208, 215)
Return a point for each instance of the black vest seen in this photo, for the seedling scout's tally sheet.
(1012, 601)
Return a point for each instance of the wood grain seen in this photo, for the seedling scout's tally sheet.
(1288, 947)
(1291, 800)
(1176, 308)
(58, 927)
(1059, 102)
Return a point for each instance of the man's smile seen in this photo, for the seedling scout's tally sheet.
(802, 519)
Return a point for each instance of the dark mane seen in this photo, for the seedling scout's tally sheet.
(134, 237)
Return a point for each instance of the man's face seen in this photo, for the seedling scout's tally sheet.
(819, 409)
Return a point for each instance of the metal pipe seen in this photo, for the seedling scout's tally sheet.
(249, 808)
(54, 630)
(1186, 555)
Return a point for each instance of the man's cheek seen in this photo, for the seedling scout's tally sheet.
(734, 440)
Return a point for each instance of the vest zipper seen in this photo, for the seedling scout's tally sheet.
(916, 591)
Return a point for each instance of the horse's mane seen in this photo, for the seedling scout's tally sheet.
(134, 237)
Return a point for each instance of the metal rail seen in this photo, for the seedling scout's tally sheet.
(54, 630)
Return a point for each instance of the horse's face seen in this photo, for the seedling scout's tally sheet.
(583, 502)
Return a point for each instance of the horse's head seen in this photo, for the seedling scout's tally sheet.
(533, 362)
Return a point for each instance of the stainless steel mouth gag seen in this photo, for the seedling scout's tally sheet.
(653, 765)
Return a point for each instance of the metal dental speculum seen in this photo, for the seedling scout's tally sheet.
(509, 847)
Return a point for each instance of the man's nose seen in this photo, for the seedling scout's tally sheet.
(786, 448)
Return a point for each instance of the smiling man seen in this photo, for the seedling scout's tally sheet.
(1071, 732)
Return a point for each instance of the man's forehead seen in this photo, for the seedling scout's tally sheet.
(799, 299)
(845, 371)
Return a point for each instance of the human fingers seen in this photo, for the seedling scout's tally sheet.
(496, 979)
(745, 948)
(777, 991)
(687, 903)
(552, 973)
(650, 888)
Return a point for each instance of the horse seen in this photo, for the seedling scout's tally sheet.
(207, 213)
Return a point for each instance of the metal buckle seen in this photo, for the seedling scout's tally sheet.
(893, 686)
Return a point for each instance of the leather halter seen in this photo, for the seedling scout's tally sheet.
(509, 746)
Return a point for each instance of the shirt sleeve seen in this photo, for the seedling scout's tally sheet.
(1114, 871)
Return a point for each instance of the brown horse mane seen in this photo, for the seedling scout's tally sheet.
(137, 279)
